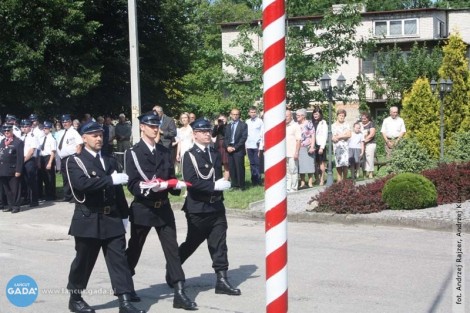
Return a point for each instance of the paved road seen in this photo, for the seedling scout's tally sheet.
(332, 267)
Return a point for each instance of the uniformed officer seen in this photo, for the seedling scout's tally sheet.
(145, 162)
(48, 148)
(11, 165)
(97, 221)
(12, 120)
(30, 168)
(69, 143)
(204, 207)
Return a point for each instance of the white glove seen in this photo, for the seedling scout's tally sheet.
(119, 178)
(180, 185)
(162, 186)
(222, 184)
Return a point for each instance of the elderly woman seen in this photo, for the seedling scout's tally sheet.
(341, 132)
(307, 149)
(368, 129)
(321, 136)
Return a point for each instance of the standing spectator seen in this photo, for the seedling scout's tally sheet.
(393, 129)
(218, 132)
(307, 149)
(184, 138)
(204, 206)
(11, 161)
(58, 132)
(368, 129)
(167, 127)
(123, 132)
(70, 143)
(30, 167)
(355, 149)
(47, 163)
(341, 132)
(97, 222)
(104, 149)
(293, 137)
(235, 138)
(151, 207)
(192, 117)
(255, 144)
(112, 134)
(321, 136)
(76, 124)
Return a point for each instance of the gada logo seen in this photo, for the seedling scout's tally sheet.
(22, 290)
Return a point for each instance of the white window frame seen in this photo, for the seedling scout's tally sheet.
(402, 32)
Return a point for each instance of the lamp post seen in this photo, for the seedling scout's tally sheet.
(325, 84)
(445, 87)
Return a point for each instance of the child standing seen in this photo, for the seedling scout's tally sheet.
(356, 149)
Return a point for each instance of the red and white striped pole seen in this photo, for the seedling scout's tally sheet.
(274, 90)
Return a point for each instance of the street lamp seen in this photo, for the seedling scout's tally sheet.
(325, 84)
(445, 87)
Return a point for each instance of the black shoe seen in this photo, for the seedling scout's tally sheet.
(168, 281)
(125, 305)
(224, 287)
(181, 300)
(15, 210)
(6, 210)
(80, 306)
(134, 296)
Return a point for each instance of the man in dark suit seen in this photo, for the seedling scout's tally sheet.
(97, 221)
(11, 165)
(167, 128)
(204, 207)
(145, 163)
(236, 134)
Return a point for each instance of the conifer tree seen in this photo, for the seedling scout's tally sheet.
(421, 115)
(457, 103)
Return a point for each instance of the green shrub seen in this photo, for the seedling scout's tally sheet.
(410, 157)
(459, 151)
(408, 191)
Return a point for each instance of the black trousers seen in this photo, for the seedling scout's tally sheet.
(210, 226)
(67, 191)
(236, 165)
(31, 179)
(47, 179)
(167, 236)
(116, 262)
(11, 187)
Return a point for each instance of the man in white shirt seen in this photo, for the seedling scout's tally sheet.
(293, 137)
(393, 129)
(30, 168)
(254, 144)
(69, 143)
(48, 146)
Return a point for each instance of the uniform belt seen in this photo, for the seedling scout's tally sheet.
(210, 199)
(156, 204)
(107, 209)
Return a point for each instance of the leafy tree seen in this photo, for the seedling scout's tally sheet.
(396, 70)
(421, 115)
(305, 58)
(452, 4)
(457, 103)
(46, 55)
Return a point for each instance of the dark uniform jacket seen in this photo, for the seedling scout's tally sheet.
(90, 218)
(11, 157)
(241, 135)
(152, 209)
(202, 198)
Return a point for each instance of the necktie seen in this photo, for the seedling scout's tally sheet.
(43, 143)
(62, 139)
(233, 133)
(208, 155)
(98, 159)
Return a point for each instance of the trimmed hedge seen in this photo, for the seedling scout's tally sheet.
(409, 191)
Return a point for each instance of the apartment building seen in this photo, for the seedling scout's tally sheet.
(400, 27)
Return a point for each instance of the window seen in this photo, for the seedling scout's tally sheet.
(396, 28)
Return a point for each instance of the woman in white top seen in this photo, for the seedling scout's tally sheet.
(341, 132)
(184, 138)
